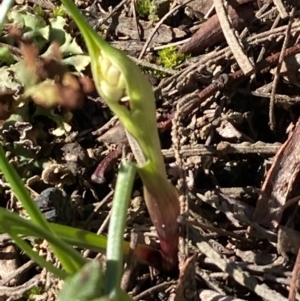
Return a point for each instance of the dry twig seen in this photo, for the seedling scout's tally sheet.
(235, 45)
(281, 9)
(278, 68)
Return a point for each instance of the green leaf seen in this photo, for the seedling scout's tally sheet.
(58, 33)
(23, 75)
(35, 27)
(114, 254)
(85, 285)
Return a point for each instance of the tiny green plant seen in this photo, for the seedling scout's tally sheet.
(58, 11)
(169, 57)
(143, 7)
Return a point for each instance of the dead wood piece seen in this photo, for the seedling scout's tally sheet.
(224, 148)
(208, 295)
(279, 182)
(276, 268)
(159, 26)
(18, 291)
(186, 286)
(289, 71)
(18, 272)
(201, 7)
(209, 281)
(232, 208)
(131, 262)
(288, 241)
(294, 285)
(153, 289)
(106, 164)
(211, 33)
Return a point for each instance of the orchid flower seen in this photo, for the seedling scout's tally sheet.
(129, 95)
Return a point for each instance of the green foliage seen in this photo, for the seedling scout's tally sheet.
(23, 75)
(143, 7)
(153, 10)
(114, 73)
(34, 27)
(170, 58)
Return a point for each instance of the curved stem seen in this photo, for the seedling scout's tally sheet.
(9, 219)
(35, 256)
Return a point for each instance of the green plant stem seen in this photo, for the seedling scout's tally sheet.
(119, 81)
(11, 219)
(73, 236)
(85, 28)
(88, 240)
(71, 265)
(114, 253)
(4, 8)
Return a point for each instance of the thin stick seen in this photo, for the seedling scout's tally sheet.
(4, 8)
(111, 13)
(136, 22)
(233, 42)
(229, 148)
(161, 21)
(277, 72)
(18, 272)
